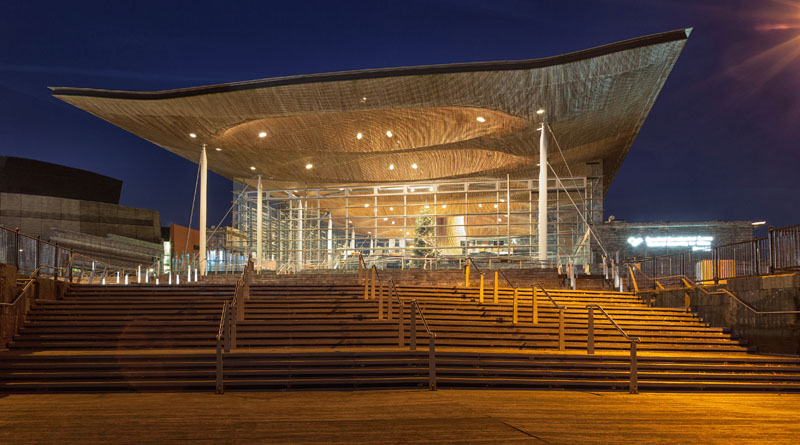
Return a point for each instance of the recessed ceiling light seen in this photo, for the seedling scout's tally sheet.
(392, 222)
(480, 119)
(363, 99)
(192, 135)
(444, 206)
(480, 205)
(385, 219)
(427, 207)
(406, 233)
(263, 134)
(366, 205)
(540, 111)
(391, 166)
(218, 149)
(499, 219)
(252, 168)
(391, 208)
(414, 166)
(495, 206)
(351, 222)
(370, 233)
(309, 166)
(502, 200)
(388, 133)
(359, 135)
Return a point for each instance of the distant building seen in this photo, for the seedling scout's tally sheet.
(77, 209)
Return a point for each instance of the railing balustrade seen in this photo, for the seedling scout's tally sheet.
(634, 371)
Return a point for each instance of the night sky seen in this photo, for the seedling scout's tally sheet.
(721, 142)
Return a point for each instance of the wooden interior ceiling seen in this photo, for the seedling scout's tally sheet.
(452, 121)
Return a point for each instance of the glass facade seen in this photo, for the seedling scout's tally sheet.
(403, 225)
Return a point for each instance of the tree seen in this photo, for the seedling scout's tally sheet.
(424, 232)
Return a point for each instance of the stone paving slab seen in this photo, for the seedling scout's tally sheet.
(446, 416)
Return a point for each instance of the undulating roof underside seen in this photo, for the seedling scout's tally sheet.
(595, 100)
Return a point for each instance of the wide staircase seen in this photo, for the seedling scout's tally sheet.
(329, 336)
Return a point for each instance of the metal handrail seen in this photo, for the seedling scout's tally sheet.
(422, 315)
(547, 294)
(561, 310)
(693, 285)
(614, 323)
(227, 323)
(472, 261)
(22, 292)
(431, 342)
(633, 386)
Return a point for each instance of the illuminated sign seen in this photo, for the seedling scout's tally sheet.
(695, 242)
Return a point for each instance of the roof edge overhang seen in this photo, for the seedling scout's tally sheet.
(653, 39)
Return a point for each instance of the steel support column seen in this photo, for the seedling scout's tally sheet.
(203, 200)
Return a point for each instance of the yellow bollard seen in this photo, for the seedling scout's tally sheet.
(687, 300)
(496, 297)
(535, 304)
(466, 276)
(481, 289)
(514, 316)
(372, 278)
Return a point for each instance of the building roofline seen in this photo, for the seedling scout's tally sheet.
(653, 39)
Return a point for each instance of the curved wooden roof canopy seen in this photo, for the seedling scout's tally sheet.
(596, 101)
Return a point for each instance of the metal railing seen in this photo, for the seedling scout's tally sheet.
(370, 279)
(561, 312)
(634, 370)
(232, 313)
(688, 283)
(778, 252)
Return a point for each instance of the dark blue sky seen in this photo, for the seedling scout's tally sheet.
(721, 142)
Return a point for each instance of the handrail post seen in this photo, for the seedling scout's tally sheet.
(401, 315)
(496, 297)
(56, 262)
(16, 248)
(220, 388)
(38, 261)
(389, 305)
(535, 304)
(432, 362)
(413, 333)
(771, 245)
(372, 276)
(634, 385)
(515, 314)
(232, 321)
(359, 269)
(590, 336)
(380, 302)
(366, 285)
(560, 329)
(481, 291)
(466, 275)
(227, 329)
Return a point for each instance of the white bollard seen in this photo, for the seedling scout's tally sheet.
(170, 278)
(177, 279)
(156, 281)
(117, 277)
(146, 277)
(103, 281)
(139, 274)
(195, 275)
(126, 280)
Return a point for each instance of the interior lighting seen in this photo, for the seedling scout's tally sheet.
(495, 206)
(309, 166)
(502, 200)
(252, 167)
(392, 222)
(540, 111)
(351, 222)
(366, 205)
(359, 135)
(406, 233)
(481, 119)
(412, 189)
(391, 209)
(385, 219)
(499, 219)
(427, 206)
(444, 206)
(370, 233)
(414, 166)
(218, 149)
(389, 133)
(192, 135)
(480, 205)
(391, 166)
(759, 223)
(263, 134)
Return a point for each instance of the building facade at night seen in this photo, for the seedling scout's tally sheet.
(430, 161)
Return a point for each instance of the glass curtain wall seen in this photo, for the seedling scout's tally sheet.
(417, 224)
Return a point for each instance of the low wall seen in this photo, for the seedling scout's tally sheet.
(769, 333)
(13, 317)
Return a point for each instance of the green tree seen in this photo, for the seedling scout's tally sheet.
(424, 231)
